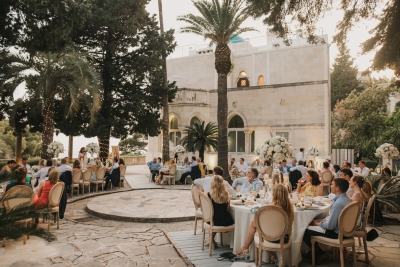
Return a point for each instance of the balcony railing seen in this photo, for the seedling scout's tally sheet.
(191, 96)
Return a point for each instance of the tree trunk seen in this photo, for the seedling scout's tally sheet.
(165, 124)
(104, 143)
(48, 126)
(70, 147)
(18, 148)
(223, 66)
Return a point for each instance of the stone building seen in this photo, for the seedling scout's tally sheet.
(273, 90)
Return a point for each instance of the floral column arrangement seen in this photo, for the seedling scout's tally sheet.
(313, 152)
(179, 149)
(92, 148)
(276, 149)
(386, 151)
(55, 148)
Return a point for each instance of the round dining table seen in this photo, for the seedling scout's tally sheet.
(179, 171)
(243, 218)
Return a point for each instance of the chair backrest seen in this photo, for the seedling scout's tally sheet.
(100, 173)
(237, 187)
(86, 175)
(207, 208)
(172, 170)
(55, 194)
(269, 171)
(326, 177)
(195, 196)
(348, 220)
(272, 223)
(76, 177)
(122, 171)
(24, 193)
(367, 211)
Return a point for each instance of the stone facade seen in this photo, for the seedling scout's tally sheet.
(286, 91)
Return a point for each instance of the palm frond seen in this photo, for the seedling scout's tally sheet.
(386, 191)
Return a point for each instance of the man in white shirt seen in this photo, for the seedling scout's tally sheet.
(301, 168)
(242, 167)
(205, 183)
(26, 165)
(300, 155)
(347, 174)
(41, 175)
(64, 166)
(362, 169)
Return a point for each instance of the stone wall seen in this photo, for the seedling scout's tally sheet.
(134, 160)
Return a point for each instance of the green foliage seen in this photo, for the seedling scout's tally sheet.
(200, 137)
(343, 77)
(131, 144)
(386, 191)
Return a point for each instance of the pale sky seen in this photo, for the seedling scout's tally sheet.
(174, 8)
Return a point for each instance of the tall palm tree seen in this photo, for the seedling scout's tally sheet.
(199, 137)
(218, 22)
(48, 77)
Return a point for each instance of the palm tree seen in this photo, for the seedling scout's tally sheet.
(199, 137)
(66, 76)
(219, 22)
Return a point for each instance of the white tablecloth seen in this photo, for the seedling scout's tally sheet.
(179, 172)
(243, 218)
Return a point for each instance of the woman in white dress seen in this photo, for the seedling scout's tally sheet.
(82, 157)
(95, 167)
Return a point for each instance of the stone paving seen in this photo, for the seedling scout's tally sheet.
(153, 205)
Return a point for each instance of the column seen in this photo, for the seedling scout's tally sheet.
(247, 136)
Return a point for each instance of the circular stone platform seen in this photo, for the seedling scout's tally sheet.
(154, 205)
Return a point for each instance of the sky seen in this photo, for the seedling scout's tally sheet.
(327, 25)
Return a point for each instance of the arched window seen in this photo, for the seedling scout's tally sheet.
(236, 136)
(260, 80)
(243, 80)
(174, 133)
(194, 120)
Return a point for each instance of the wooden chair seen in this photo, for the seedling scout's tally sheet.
(269, 171)
(207, 210)
(85, 180)
(326, 177)
(271, 223)
(347, 224)
(76, 177)
(54, 202)
(171, 175)
(362, 233)
(99, 179)
(122, 176)
(25, 197)
(196, 201)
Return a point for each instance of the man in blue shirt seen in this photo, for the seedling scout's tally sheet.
(248, 182)
(330, 225)
(154, 167)
(284, 167)
(183, 176)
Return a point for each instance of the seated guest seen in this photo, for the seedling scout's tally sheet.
(256, 163)
(121, 162)
(231, 164)
(277, 178)
(116, 165)
(330, 165)
(220, 200)
(242, 167)
(312, 186)
(294, 163)
(159, 160)
(347, 174)
(356, 183)
(9, 166)
(42, 197)
(386, 173)
(329, 225)
(284, 167)
(54, 162)
(183, 176)
(362, 169)
(248, 182)
(301, 168)
(325, 168)
(346, 165)
(76, 166)
(26, 165)
(336, 170)
(186, 161)
(97, 165)
(267, 164)
(205, 184)
(41, 174)
(64, 166)
(201, 167)
(280, 198)
(19, 178)
(154, 168)
(170, 163)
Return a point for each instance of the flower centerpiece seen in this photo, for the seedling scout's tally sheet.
(276, 149)
(35, 168)
(92, 148)
(387, 151)
(313, 152)
(55, 148)
(179, 149)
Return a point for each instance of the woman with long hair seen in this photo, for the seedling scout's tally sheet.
(76, 166)
(356, 183)
(280, 198)
(313, 187)
(19, 175)
(42, 198)
(170, 163)
(221, 202)
(97, 165)
(82, 157)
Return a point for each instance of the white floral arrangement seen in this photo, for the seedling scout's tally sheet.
(55, 148)
(276, 148)
(93, 148)
(35, 168)
(258, 150)
(387, 151)
(179, 149)
(313, 151)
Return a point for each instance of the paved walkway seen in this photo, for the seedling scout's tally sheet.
(151, 205)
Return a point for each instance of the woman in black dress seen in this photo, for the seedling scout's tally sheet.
(221, 203)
